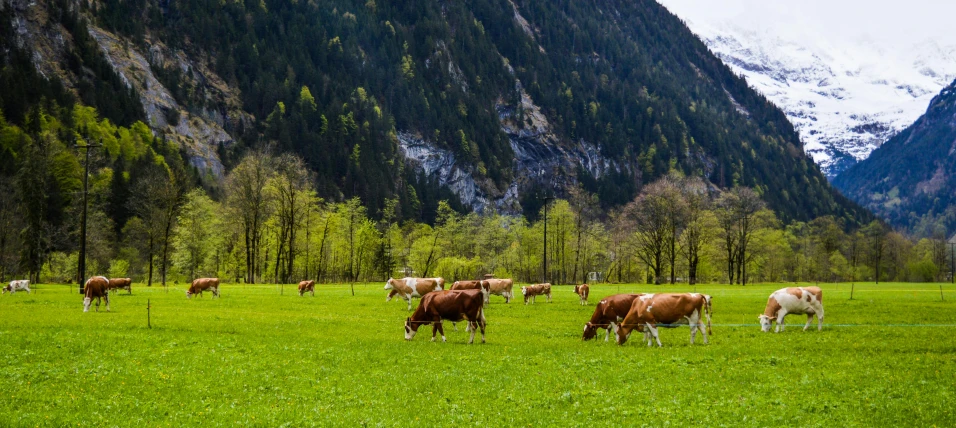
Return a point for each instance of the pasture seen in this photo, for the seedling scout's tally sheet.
(257, 358)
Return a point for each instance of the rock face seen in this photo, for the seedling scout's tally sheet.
(201, 133)
(846, 100)
(539, 159)
(914, 173)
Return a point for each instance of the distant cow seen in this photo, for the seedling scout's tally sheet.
(121, 284)
(307, 287)
(665, 310)
(203, 284)
(609, 311)
(583, 290)
(501, 287)
(19, 284)
(529, 292)
(793, 300)
(453, 305)
(407, 288)
(474, 285)
(96, 287)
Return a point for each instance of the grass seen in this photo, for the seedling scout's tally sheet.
(256, 358)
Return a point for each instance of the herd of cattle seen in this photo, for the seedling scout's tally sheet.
(621, 314)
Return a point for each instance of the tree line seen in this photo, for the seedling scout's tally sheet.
(266, 223)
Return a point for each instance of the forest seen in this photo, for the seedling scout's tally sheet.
(267, 223)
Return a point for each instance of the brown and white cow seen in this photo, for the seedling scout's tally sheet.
(609, 311)
(203, 284)
(501, 287)
(452, 305)
(17, 284)
(96, 287)
(407, 288)
(307, 287)
(793, 300)
(529, 292)
(651, 311)
(582, 291)
(121, 284)
(474, 285)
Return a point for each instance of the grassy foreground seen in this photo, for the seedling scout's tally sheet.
(258, 358)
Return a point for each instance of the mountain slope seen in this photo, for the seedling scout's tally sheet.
(497, 101)
(913, 174)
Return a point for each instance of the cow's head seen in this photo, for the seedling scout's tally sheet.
(410, 329)
(623, 333)
(765, 322)
(189, 294)
(590, 330)
(577, 289)
(524, 291)
(388, 284)
(86, 304)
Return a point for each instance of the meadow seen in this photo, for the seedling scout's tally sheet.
(258, 358)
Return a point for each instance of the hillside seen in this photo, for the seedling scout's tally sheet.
(910, 178)
(490, 102)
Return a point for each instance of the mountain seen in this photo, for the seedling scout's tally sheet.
(845, 94)
(912, 176)
(490, 103)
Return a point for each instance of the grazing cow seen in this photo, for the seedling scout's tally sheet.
(665, 310)
(474, 285)
(609, 311)
(529, 292)
(583, 290)
(202, 284)
(793, 300)
(307, 287)
(19, 284)
(407, 288)
(96, 287)
(453, 305)
(121, 284)
(501, 287)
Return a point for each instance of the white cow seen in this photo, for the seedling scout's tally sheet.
(19, 284)
(407, 288)
(793, 300)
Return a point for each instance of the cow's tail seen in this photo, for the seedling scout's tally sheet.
(708, 311)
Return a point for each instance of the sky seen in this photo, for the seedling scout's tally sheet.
(887, 23)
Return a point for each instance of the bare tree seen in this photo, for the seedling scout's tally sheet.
(737, 217)
(290, 185)
(698, 223)
(653, 217)
(156, 200)
(247, 199)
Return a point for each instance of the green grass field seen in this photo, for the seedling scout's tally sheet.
(258, 358)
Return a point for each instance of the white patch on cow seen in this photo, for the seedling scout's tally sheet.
(805, 304)
(388, 284)
(646, 297)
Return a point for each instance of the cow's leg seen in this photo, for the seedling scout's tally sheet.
(472, 325)
(820, 319)
(809, 319)
(481, 324)
(607, 333)
(780, 320)
(409, 300)
(655, 334)
(693, 331)
(107, 302)
(549, 297)
(440, 330)
(435, 329)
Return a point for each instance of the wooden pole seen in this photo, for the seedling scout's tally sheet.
(149, 323)
(852, 285)
(941, 299)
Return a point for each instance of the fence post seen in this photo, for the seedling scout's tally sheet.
(149, 323)
(941, 299)
(852, 285)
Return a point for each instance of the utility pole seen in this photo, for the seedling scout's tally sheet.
(544, 276)
(81, 269)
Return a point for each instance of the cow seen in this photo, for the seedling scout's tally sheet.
(307, 287)
(666, 310)
(121, 284)
(793, 300)
(96, 287)
(202, 284)
(18, 284)
(529, 292)
(453, 305)
(474, 285)
(582, 291)
(501, 287)
(609, 311)
(407, 288)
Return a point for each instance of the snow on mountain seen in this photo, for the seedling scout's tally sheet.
(845, 92)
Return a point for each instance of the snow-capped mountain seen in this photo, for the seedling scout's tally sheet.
(845, 95)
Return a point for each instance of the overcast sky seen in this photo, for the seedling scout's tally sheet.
(900, 22)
